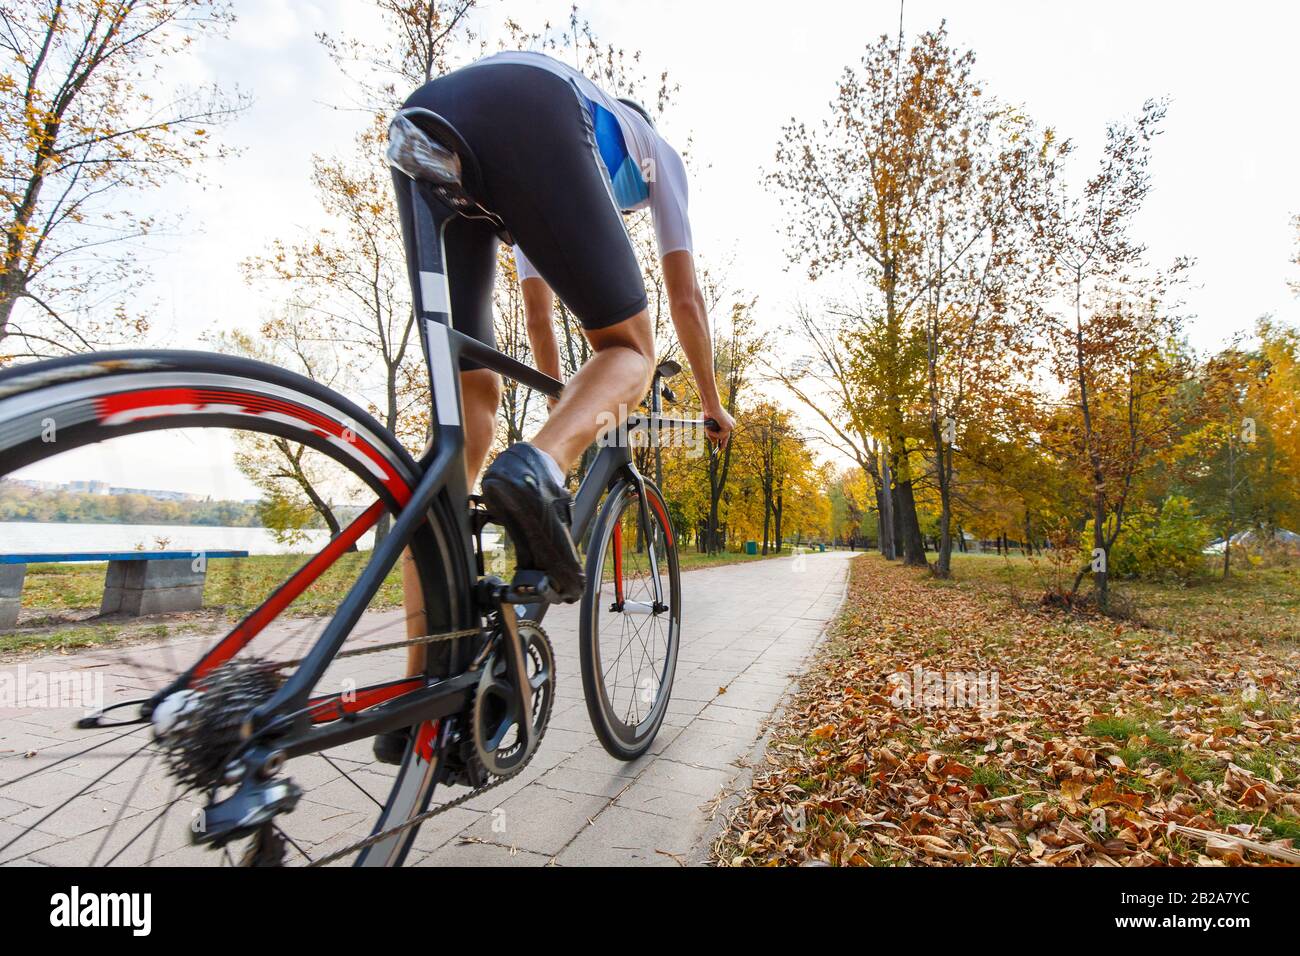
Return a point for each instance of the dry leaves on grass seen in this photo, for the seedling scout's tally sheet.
(1110, 745)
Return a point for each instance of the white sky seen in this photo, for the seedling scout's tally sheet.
(1224, 171)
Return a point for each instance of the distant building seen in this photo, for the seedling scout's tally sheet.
(104, 488)
(88, 487)
(155, 493)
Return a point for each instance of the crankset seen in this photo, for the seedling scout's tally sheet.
(515, 695)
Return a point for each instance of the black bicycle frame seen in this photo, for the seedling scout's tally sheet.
(442, 472)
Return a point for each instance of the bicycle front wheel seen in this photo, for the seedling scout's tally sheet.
(631, 620)
(149, 419)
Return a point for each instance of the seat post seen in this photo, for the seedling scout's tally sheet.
(423, 219)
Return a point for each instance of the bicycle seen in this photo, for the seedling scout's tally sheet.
(229, 726)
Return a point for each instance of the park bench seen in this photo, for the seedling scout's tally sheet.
(137, 582)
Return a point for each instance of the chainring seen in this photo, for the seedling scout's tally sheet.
(493, 717)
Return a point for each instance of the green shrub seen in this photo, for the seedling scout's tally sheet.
(1159, 546)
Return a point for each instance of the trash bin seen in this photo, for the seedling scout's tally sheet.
(751, 547)
(823, 548)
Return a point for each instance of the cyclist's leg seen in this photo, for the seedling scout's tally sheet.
(612, 382)
(480, 391)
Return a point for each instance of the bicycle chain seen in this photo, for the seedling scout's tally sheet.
(395, 645)
(441, 808)
(418, 819)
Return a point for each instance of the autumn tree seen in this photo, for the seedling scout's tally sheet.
(819, 376)
(736, 353)
(1108, 325)
(420, 40)
(977, 271)
(86, 121)
(771, 453)
(858, 189)
(852, 502)
(1274, 398)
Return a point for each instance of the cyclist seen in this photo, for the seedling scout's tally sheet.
(561, 159)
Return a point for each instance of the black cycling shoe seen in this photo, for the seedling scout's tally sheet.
(522, 495)
(390, 747)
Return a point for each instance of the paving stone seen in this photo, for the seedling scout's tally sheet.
(573, 805)
(538, 819)
(623, 837)
(473, 853)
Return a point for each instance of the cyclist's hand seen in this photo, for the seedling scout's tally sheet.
(724, 422)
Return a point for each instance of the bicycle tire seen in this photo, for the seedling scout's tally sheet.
(609, 711)
(51, 407)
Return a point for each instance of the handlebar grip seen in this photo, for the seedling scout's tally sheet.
(711, 423)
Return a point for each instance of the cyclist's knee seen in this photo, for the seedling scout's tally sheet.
(636, 335)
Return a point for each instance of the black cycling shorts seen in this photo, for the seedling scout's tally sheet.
(532, 136)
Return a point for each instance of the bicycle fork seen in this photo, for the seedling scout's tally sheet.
(657, 606)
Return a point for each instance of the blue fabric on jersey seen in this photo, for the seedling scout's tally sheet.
(630, 189)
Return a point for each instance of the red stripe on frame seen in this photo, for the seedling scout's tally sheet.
(668, 527)
(326, 709)
(285, 595)
(424, 740)
(618, 562)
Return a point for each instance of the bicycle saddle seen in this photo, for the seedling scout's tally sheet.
(428, 148)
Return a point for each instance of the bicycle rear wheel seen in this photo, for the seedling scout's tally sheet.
(630, 620)
(106, 410)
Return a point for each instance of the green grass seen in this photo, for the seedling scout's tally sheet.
(1260, 603)
(1283, 828)
(1144, 740)
(991, 778)
(60, 639)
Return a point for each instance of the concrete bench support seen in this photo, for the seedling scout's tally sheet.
(11, 592)
(136, 588)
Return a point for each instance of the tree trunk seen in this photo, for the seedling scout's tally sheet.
(1101, 576)
(780, 508)
(885, 510)
(943, 567)
(909, 526)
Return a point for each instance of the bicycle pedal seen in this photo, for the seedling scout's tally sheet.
(528, 587)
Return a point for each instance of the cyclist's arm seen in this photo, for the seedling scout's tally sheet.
(539, 305)
(686, 303)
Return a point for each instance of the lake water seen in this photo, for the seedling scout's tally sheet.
(32, 536)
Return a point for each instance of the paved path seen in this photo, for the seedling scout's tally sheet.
(746, 628)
